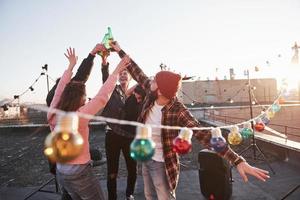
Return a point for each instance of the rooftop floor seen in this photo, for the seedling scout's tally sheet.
(24, 168)
(287, 176)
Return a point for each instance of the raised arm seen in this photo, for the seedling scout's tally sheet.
(105, 66)
(103, 95)
(136, 72)
(187, 120)
(84, 70)
(82, 74)
(65, 79)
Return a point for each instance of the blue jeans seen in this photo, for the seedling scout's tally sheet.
(83, 185)
(155, 181)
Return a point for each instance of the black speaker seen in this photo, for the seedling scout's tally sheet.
(214, 176)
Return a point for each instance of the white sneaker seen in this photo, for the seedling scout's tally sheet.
(131, 197)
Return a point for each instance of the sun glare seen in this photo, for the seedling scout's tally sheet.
(289, 75)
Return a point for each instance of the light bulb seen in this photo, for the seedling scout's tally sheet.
(142, 147)
(182, 144)
(281, 100)
(259, 125)
(64, 143)
(247, 131)
(276, 107)
(217, 141)
(234, 137)
(265, 119)
(270, 114)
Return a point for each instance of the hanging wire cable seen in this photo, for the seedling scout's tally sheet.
(30, 88)
(255, 100)
(133, 123)
(125, 122)
(187, 96)
(229, 99)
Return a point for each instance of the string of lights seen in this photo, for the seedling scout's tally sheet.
(17, 97)
(143, 140)
(138, 124)
(30, 88)
(255, 101)
(187, 96)
(133, 123)
(230, 99)
(125, 122)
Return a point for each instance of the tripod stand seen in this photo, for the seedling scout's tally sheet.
(40, 189)
(253, 146)
(291, 192)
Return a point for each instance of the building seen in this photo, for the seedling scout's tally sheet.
(228, 91)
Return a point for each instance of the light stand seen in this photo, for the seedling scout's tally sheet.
(53, 179)
(40, 189)
(45, 67)
(253, 144)
(290, 192)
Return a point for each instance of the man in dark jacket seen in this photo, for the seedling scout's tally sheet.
(118, 138)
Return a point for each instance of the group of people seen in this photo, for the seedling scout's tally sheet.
(150, 101)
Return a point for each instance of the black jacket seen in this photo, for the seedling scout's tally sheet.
(131, 111)
(82, 74)
(114, 106)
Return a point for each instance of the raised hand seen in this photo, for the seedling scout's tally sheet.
(99, 47)
(244, 168)
(71, 56)
(115, 46)
(124, 63)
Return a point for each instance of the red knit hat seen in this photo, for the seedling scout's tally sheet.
(168, 83)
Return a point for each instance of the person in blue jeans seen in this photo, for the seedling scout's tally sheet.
(162, 107)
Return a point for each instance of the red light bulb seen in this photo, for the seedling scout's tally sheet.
(182, 143)
(259, 125)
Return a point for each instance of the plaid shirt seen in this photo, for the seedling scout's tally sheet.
(174, 114)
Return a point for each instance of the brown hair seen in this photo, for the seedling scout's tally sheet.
(71, 98)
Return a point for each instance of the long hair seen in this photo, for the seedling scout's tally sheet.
(71, 98)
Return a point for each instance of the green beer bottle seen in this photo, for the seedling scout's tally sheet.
(107, 39)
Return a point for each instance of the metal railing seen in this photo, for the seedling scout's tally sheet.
(31, 119)
(291, 132)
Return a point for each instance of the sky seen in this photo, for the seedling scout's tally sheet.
(191, 37)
